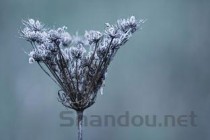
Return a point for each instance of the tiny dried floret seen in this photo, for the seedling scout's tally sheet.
(77, 52)
(93, 36)
(101, 51)
(65, 39)
(129, 24)
(33, 25)
(111, 31)
(31, 60)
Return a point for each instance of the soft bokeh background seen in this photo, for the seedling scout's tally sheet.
(163, 69)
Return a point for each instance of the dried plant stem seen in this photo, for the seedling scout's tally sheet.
(79, 124)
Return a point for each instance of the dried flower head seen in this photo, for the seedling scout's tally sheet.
(78, 64)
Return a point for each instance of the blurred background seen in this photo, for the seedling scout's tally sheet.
(163, 69)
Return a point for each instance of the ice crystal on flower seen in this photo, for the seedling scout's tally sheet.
(78, 64)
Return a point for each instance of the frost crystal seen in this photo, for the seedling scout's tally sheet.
(78, 64)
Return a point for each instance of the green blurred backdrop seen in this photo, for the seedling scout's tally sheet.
(163, 69)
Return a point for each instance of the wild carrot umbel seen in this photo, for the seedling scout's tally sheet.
(77, 64)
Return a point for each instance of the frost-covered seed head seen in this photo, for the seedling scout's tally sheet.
(78, 64)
